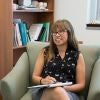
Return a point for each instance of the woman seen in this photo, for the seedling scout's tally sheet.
(61, 61)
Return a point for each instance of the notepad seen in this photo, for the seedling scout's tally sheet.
(51, 85)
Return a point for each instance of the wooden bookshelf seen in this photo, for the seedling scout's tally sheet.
(30, 17)
(6, 52)
(17, 52)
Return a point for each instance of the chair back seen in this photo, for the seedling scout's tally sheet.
(33, 49)
(90, 53)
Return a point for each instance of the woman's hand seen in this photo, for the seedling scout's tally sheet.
(48, 80)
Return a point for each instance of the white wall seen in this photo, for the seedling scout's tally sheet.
(76, 12)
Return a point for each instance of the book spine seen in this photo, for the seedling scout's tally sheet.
(18, 34)
(23, 33)
(34, 31)
(45, 35)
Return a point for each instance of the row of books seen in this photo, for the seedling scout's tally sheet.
(20, 33)
(36, 32)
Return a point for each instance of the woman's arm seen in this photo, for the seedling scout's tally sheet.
(36, 78)
(80, 76)
(38, 68)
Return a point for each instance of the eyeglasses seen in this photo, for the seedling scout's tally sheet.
(59, 32)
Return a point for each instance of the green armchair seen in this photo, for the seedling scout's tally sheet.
(14, 85)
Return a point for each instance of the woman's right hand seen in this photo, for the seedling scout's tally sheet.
(48, 80)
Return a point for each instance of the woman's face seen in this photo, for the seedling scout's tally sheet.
(60, 37)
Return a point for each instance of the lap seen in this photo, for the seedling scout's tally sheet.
(37, 94)
(73, 96)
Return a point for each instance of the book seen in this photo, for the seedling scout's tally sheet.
(44, 35)
(17, 32)
(35, 30)
(23, 32)
(47, 25)
(51, 85)
(41, 34)
(15, 43)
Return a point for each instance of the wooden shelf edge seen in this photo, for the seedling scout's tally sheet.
(20, 47)
(93, 25)
(37, 11)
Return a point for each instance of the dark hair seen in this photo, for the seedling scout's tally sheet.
(72, 42)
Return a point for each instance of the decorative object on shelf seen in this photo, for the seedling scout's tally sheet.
(35, 4)
(14, 6)
(24, 2)
(42, 5)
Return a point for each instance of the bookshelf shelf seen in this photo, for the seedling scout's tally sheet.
(37, 11)
(93, 25)
(19, 47)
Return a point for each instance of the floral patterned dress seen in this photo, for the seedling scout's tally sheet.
(63, 70)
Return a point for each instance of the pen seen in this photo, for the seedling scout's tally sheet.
(54, 82)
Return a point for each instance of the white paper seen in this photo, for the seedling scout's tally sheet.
(51, 85)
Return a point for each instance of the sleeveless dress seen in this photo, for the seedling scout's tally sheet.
(63, 70)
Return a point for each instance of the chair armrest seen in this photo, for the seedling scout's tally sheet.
(94, 89)
(14, 84)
